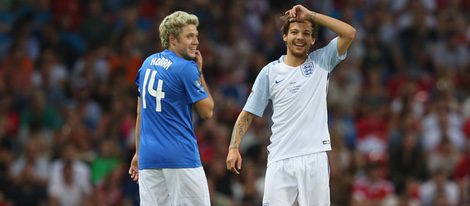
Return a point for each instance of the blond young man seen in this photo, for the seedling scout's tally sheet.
(166, 164)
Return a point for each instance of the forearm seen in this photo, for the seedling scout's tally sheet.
(137, 135)
(339, 27)
(137, 128)
(241, 126)
(204, 84)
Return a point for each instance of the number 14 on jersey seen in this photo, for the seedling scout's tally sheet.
(148, 87)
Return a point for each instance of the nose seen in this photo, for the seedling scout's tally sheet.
(300, 36)
(196, 41)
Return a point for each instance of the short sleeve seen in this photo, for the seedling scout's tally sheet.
(137, 81)
(259, 96)
(192, 83)
(328, 56)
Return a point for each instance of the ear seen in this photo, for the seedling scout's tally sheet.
(172, 39)
(313, 42)
(284, 38)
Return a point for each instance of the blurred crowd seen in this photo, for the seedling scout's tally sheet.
(399, 105)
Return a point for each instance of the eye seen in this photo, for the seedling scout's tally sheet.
(192, 35)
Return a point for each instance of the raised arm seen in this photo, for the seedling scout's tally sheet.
(204, 107)
(346, 32)
(234, 159)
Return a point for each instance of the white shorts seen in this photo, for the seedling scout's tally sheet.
(173, 187)
(302, 180)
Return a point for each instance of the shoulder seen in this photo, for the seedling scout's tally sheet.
(150, 57)
(181, 63)
(275, 62)
(269, 67)
(168, 59)
(332, 44)
(185, 67)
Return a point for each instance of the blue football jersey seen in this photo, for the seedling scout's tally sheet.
(168, 87)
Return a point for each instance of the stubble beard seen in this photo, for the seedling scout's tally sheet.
(187, 56)
(300, 55)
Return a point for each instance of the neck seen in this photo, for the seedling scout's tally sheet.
(174, 51)
(294, 61)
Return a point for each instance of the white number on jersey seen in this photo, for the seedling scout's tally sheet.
(158, 93)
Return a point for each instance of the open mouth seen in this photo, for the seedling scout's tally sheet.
(299, 45)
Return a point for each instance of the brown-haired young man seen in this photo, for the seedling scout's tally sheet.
(297, 170)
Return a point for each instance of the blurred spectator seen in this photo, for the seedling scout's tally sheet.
(218, 198)
(127, 59)
(441, 123)
(33, 156)
(407, 159)
(222, 180)
(52, 76)
(105, 162)
(109, 191)
(462, 175)
(445, 157)
(39, 117)
(372, 124)
(372, 188)
(343, 90)
(27, 190)
(341, 164)
(9, 119)
(249, 191)
(439, 190)
(95, 25)
(69, 182)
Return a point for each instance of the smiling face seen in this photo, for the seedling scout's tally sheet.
(299, 39)
(185, 44)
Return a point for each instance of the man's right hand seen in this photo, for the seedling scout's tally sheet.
(234, 161)
(199, 61)
(299, 13)
(134, 168)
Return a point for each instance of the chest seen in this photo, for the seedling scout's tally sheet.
(291, 83)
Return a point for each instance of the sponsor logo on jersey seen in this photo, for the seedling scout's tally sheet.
(278, 81)
(307, 69)
(326, 142)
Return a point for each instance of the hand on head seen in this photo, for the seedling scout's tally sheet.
(298, 13)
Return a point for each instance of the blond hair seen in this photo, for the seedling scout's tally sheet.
(173, 24)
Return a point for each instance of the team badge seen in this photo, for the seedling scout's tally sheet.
(307, 70)
(199, 86)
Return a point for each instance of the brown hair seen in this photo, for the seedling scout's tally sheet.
(286, 23)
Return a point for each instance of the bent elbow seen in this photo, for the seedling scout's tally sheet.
(208, 112)
(352, 33)
(207, 115)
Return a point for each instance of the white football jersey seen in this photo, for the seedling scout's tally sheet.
(298, 96)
